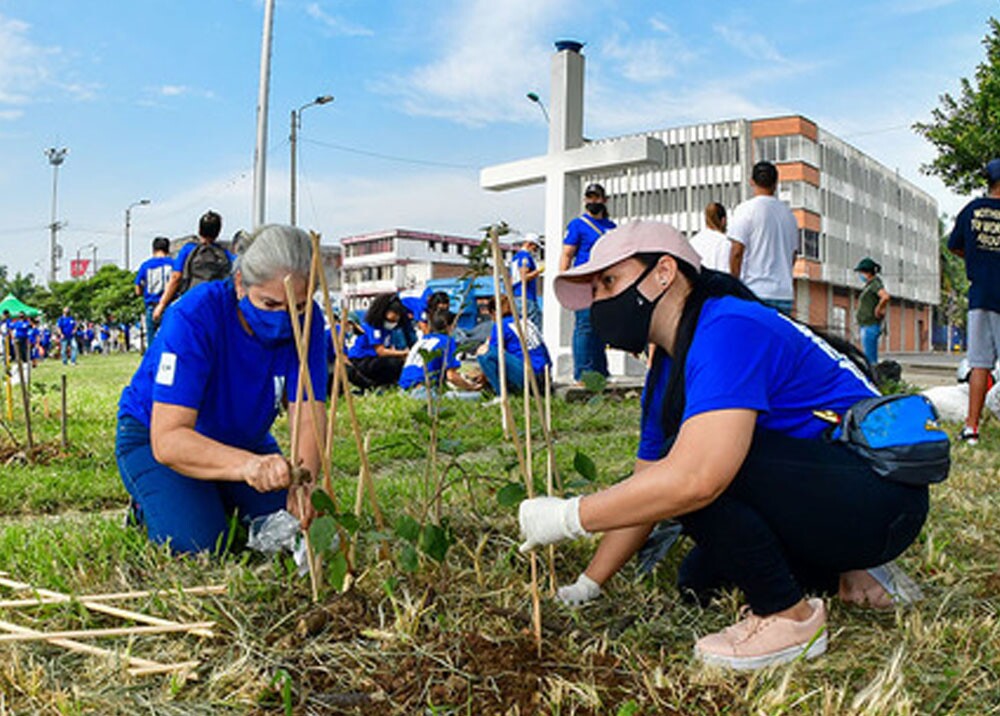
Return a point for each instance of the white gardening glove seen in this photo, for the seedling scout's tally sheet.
(580, 592)
(547, 520)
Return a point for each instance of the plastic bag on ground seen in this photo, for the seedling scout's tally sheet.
(270, 534)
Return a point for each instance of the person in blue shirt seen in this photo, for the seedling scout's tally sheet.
(731, 444)
(193, 443)
(45, 341)
(151, 281)
(976, 239)
(209, 227)
(524, 277)
(67, 336)
(488, 354)
(373, 360)
(21, 329)
(34, 340)
(439, 346)
(581, 235)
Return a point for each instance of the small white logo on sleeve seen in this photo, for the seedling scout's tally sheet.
(167, 369)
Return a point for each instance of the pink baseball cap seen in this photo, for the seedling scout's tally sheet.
(573, 287)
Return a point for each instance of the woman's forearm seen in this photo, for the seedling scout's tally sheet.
(182, 449)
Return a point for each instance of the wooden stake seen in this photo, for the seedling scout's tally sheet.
(550, 464)
(96, 606)
(112, 631)
(24, 397)
(62, 416)
(8, 388)
(498, 327)
(137, 666)
(114, 596)
(302, 346)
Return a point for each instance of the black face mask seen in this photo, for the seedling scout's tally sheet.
(597, 208)
(623, 321)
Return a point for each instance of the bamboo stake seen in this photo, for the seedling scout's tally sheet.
(95, 606)
(536, 601)
(114, 596)
(138, 667)
(302, 346)
(8, 388)
(62, 415)
(498, 327)
(550, 463)
(341, 371)
(112, 631)
(24, 397)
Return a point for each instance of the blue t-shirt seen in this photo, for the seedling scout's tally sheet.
(413, 368)
(66, 326)
(364, 344)
(153, 276)
(537, 351)
(21, 329)
(203, 358)
(977, 233)
(581, 234)
(746, 355)
(524, 259)
(186, 249)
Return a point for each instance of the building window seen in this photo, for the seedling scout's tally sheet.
(809, 243)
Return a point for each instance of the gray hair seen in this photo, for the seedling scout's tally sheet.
(272, 251)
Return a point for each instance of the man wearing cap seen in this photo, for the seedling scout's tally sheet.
(976, 238)
(765, 236)
(524, 277)
(581, 235)
(730, 445)
(872, 303)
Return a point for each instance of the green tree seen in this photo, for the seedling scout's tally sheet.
(965, 130)
(110, 292)
(954, 283)
(21, 285)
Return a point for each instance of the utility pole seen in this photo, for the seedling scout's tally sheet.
(260, 150)
(293, 143)
(56, 158)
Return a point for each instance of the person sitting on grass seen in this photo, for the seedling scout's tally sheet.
(488, 353)
(419, 370)
(193, 443)
(373, 360)
(731, 446)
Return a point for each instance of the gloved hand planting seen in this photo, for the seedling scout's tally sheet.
(583, 590)
(547, 520)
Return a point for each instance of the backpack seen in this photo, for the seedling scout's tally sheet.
(206, 262)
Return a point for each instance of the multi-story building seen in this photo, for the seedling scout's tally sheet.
(401, 260)
(847, 204)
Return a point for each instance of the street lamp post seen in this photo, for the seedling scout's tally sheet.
(56, 158)
(293, 143)
(128, 230)
(533, 96)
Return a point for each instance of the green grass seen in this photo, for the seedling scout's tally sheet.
(455, 639)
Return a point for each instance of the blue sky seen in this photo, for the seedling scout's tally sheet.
(156, 99)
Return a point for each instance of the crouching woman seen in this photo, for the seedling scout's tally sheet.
(731, 446)
(193, 443)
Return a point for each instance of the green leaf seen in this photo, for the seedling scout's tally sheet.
(435, 541)
(322, 502)
(629, 708)
(336, 568)
(445, 413)
(323, 533)
(408, 528)
(349, 522)
(593, 381)
(511, 494)
(409, 560)
(584, 466)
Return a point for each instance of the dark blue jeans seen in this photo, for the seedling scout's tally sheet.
(190, 515)
(490, 365)
(151, 325)
(797, 514)
(588, 348)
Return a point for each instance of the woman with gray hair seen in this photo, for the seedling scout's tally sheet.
(193, 443)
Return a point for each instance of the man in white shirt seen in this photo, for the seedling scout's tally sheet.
(711, 243)
(765, 236)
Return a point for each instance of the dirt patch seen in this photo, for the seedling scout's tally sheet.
(41, 454)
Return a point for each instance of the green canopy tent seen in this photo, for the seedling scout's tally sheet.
(12, 304)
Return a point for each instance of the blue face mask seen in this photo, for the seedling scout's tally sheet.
(272, 328)
(862, 278)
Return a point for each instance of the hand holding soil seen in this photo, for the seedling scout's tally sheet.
(266, 473)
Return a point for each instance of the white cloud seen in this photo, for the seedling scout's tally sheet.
(336, 25)
(491, 55)
(647, 60)
(171, 91)
(913, 7)
(22, 63)
(10, 114)
(752, 44)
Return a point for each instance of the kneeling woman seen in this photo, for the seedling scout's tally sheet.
(730, 446)
(194, 444)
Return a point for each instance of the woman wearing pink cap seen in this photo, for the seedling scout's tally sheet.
(731, 446)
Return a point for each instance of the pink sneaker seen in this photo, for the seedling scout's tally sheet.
(756, 642)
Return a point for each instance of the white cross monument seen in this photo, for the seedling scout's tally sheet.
(568, 158)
